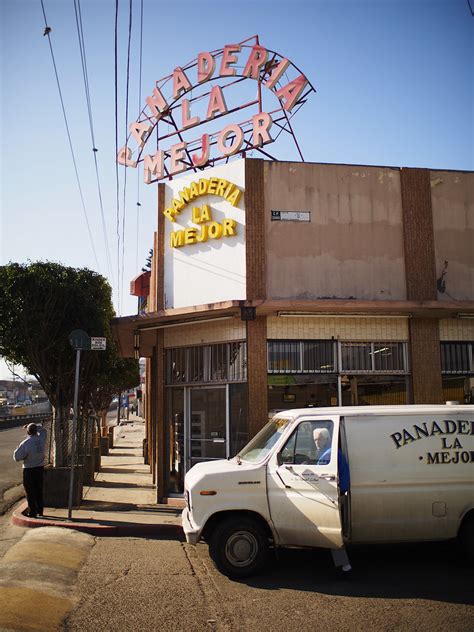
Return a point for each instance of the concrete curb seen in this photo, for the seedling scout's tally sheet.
(168, 531)
(14, 495)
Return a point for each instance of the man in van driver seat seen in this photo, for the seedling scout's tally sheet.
(322, 441)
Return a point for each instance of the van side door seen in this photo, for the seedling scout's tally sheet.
(302, 486)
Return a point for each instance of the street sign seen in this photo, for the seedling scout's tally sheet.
(98, 344)
(79, 339)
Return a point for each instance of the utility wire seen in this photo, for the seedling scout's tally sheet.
(47, 31)
(139, 106)
(126, 133)
(117, 189)
(82, 48)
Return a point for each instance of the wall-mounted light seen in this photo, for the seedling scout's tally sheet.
(136, 345)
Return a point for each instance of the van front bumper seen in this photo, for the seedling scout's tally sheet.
(190, 531)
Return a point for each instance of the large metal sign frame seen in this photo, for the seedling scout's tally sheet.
(164, 125)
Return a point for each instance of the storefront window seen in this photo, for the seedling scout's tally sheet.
(459, 389)
(374, 390)
(457, 366)
(222, 362)
(366, 357)
(175, 440)
(301, 391)
(457, 358)
(301, 356)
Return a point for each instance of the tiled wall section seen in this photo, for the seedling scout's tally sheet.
(456, 329)
(219, 331)
(339, 328)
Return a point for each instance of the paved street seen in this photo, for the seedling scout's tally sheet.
(143, 584)
(140, 585)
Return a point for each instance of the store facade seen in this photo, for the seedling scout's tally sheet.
(277, 285)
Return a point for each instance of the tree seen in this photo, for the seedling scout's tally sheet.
(40, 305)
(115, 375)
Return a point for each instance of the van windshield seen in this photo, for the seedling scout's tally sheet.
(258, 448)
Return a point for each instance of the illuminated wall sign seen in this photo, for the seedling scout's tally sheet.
(185, 100)
(202, 215)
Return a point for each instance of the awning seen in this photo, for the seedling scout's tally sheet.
(136, 335)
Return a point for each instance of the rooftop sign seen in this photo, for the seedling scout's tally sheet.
(185, 100)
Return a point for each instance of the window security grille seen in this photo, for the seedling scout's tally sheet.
(223, 362)
(301, 356)
(374, 357)
(457, 358)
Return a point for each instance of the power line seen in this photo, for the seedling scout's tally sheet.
(47, 32)
(126, 133)
(82, 49)
(139, 106)
(117, 190)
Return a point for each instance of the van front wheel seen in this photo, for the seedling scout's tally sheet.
(239, 547)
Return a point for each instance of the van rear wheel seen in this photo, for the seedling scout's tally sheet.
(466, 538)
(239, 547)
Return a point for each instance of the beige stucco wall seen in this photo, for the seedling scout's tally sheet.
(452, 195)
(197, 334)
(456, 329)
(353, 246)
(393, 329)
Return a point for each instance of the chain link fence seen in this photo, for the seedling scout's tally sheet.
(60, 446)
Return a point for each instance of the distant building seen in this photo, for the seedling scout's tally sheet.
(315, 284)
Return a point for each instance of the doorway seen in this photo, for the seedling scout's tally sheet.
(208, 420)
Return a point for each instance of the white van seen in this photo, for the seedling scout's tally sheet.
(411, 480)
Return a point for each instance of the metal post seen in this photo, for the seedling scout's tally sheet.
(74, 431)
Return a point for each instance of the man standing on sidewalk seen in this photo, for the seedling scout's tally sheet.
(31, 452)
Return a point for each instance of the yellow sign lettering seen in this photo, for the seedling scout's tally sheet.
(177, 239)
(190, 235)
(230, 228)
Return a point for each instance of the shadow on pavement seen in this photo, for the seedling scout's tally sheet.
(432, 571)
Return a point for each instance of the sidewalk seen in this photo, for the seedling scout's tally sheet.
(122, 500)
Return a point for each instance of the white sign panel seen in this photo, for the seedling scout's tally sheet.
(98, 344)
(291, 216)
(205, 238)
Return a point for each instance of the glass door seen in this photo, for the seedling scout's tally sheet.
(208, 424)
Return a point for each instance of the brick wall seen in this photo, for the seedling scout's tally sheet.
(205, 333)
(159, 255)
(456, 329)
(420, 269)
(426, 361)
(395, 329)
(255, 229)
(256, 290)
(418, 235)
(257, 373)
(160, 418)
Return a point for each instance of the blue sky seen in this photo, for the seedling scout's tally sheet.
(394, 81)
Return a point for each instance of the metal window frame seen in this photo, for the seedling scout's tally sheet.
(458, 344)
(373, 370)
(298, 346)
(194, 355)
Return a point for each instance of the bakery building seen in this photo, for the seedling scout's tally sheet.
(279, 284)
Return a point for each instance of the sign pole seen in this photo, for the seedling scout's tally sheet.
(74, 431)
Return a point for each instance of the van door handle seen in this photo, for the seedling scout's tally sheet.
(327, 477)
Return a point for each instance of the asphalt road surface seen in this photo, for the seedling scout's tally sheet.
(10, 472)
(137, 585)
